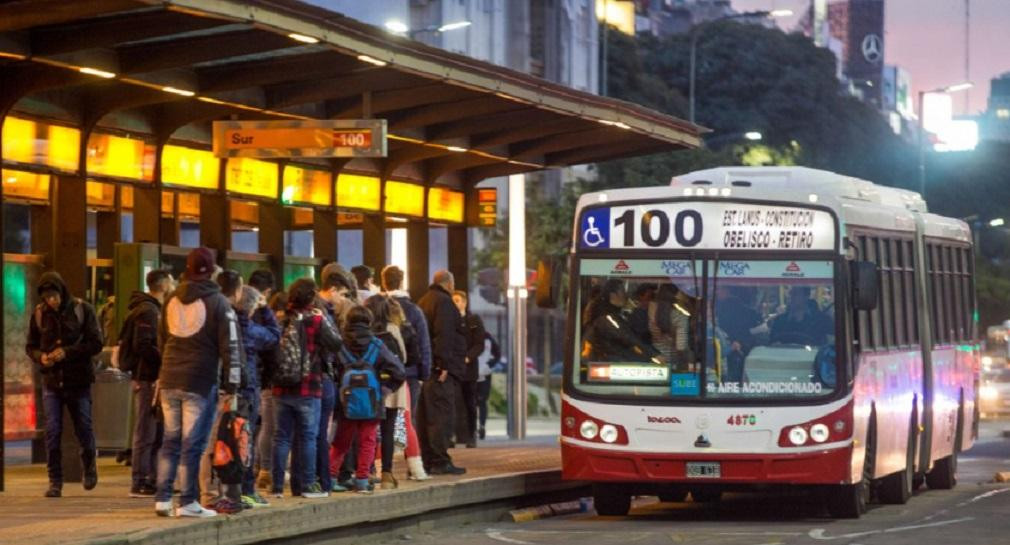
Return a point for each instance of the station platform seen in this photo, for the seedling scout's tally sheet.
(496, 470)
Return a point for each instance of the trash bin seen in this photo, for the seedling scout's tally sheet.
(111, 409)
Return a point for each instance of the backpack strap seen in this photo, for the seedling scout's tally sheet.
(372, 352)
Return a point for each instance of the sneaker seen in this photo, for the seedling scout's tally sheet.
(247, 502)
(264, 480)
(195, 510)
(388, 481)
(257, 500)
(142, 491)
(363, 486)
(315, 492)
(227, 506)
(164, 509)
(340, 487)
(447, 469)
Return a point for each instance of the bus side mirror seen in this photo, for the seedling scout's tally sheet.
(864, 285)
(548, 289)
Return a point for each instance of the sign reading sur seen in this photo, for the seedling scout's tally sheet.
(296, 138)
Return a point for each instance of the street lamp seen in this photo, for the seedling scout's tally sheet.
(963, 86)
(399, 27)
(696, 30)
(752, 136)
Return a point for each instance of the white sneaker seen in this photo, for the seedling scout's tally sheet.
(195, 510)
(164, 508)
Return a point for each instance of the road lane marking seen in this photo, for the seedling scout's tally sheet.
(497, 536)
(818, 533)
(983, 496)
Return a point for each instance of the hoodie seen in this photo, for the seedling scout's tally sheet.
(143, 314)
(260, 334)
(72, 327)
(199, 341)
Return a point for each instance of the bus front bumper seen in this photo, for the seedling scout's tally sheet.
(829, 466)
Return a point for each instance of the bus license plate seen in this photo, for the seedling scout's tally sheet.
(704, 470)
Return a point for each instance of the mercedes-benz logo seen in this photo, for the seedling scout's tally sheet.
(701, 422)
(873, 48)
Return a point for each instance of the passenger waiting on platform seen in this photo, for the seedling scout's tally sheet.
(63, 336)
(488, 359)
(305, 330)
(139, 355)
(260, 335)
(466, 392)
(227, 497)
(363, 275)
(338, 293)
(436, 413)
(364, 365)
(417, 371)
(263, 460)
(199, 354)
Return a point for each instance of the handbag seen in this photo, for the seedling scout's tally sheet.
(400, 430)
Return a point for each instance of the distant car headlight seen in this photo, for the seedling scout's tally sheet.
(589, 429)
(989, 393)
(986, 361)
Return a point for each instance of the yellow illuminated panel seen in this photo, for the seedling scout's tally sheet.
(618, 13)
(101, 195)
(354, 191)
(38, 143)
(245, 212)
(25, 185)
(445, 204)
(306, 185)
(189, 167)
(301, 218)
(344, 218)
(110, 155)
(251, 177)
(126, 197)
(189, 204)
(404, 198)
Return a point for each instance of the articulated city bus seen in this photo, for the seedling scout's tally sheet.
(748, 328)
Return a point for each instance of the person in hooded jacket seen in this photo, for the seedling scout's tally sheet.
(63, 336)
(466, 394)
(357, 336)
(200, 353)
(260, 335)
(142, 358)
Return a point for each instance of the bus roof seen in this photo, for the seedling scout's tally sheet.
(856, 202)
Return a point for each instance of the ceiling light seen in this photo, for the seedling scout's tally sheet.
(398, 27)
(96, 72)
(621, 125)
(371, 60)
(211, 100)
(453, 26)
(607, 122)
(752, 135)
(780, 13)
(455, 148)
(177, 91)
(303, 38)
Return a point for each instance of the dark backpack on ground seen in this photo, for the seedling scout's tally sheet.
(293, 363)
(360, 391)
(232, 452)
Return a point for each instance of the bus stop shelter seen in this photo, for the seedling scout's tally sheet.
(107, 106)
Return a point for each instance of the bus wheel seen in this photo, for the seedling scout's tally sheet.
(897, 487)
(673, 495)
(848, 501)
(611, 500)
(918, 480)
(706, 495)
(943, 476)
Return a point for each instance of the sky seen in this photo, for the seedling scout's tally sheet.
(926, 38)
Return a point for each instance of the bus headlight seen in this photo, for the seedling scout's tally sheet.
(608, 433)
(588, 429)
(989, 393)
(798, 436)
(819, 433)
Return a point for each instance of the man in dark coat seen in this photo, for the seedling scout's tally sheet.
(436, 413)
(63, 336)
(139, 354)
(466, 395)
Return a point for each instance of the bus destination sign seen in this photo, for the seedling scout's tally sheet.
(295, 138)
(706, 225)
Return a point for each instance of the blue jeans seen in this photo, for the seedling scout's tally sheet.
(301, 414)
(251, 397)
(327, 403)
(78, 404)
(188, 419)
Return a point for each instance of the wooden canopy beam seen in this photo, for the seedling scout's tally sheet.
(184, 52)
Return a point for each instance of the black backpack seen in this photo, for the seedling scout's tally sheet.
(293, 363)
(412, 343)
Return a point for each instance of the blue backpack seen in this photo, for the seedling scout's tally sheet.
(360, 392)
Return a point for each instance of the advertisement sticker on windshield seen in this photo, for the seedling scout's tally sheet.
(707, 225)
(684, 384)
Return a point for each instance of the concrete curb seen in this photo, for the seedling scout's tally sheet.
(287, 522)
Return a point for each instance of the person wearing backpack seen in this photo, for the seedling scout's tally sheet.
(63, 336)
(306, 333)
(368, 372)
(139, 356)
(200, 353)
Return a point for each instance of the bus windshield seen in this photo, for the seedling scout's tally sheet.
(706, 329)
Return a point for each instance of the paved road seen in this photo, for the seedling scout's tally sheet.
(975, 512)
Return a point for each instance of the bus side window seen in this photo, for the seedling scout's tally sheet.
(876, 329)
(886, 301)
(933, 283)
(898, 291)
(863, 316)
(911, 304)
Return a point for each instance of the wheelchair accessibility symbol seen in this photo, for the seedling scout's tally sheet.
(595, 228)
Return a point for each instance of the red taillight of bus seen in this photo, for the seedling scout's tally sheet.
(579, 425)
(830, 428)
